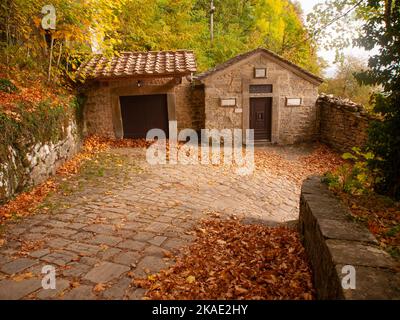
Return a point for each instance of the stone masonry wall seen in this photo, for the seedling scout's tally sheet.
(343, 124)
(98, 112)
(332, 240)
(40, 162)
(190, 106)
(102, 107)
(290, 124)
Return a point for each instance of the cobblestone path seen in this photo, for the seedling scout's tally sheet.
(120, 217)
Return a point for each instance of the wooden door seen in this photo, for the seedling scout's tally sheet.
(143, 113)
(261, 118)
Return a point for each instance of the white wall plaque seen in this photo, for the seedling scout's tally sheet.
(293, 101)
(260, 72)
(228, 102)
(238, 110)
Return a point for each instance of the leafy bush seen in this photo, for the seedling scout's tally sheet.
(7, 86)
(25, 127)
(384, 140)
(356, 177)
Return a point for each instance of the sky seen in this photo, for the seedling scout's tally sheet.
(330, 55)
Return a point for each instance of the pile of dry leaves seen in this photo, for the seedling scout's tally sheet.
(321, 160)
(31, 91)
(380, 215)
(231, 260)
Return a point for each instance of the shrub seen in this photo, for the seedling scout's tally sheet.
(7, 86)
(355, 177)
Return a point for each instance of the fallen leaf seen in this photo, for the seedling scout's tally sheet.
(99, 287)
(191, 279)
(152, 277)
(167, 253)
(240, 290)
(23, 276)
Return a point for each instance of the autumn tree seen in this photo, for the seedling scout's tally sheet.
(344, 83)
(382, 31)
(139, 25)
(335, 24)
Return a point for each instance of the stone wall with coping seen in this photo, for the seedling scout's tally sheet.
(290, 124)
(35, 166)
(332, 240)
(343, 124)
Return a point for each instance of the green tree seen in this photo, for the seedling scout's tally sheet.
(280, 28)
(344, 83)
(151, 25)
(382, 30)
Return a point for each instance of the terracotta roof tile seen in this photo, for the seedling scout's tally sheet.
(136, 64)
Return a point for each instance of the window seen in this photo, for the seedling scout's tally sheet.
(261, 88)
(293, 101)
(260, 72)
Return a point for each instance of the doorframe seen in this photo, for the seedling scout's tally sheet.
(131, 90)
(276, 102)
(169, 99)
(271, 122)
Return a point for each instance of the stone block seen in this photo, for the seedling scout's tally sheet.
(332, 241)
(60, 258)
(132, 245)
(127, 258)
(17, 265)
(106, 272)
(13, 290)
(48, 294)
(83, 292)
(151, 264)
(358, 254)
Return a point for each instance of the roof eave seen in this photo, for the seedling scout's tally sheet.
(294, 68)
(138, 76)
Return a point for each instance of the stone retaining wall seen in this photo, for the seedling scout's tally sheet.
(332, 240)
(342, 123)
(36, 165)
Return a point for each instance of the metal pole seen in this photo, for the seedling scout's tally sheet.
(212, 10)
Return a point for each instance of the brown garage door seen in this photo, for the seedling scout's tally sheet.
(143, 113)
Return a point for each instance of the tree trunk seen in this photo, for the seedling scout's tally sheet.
(388, 12)
(59, 55)
(51, 58)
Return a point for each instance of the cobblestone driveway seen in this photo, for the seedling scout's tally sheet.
(123, 222)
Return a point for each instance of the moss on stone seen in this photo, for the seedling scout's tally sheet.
(22, 130)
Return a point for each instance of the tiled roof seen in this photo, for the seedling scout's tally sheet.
(136, 64)
(243, 56)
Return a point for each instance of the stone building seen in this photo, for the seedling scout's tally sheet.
(258, 90)
(262, 91)
(137, 91)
